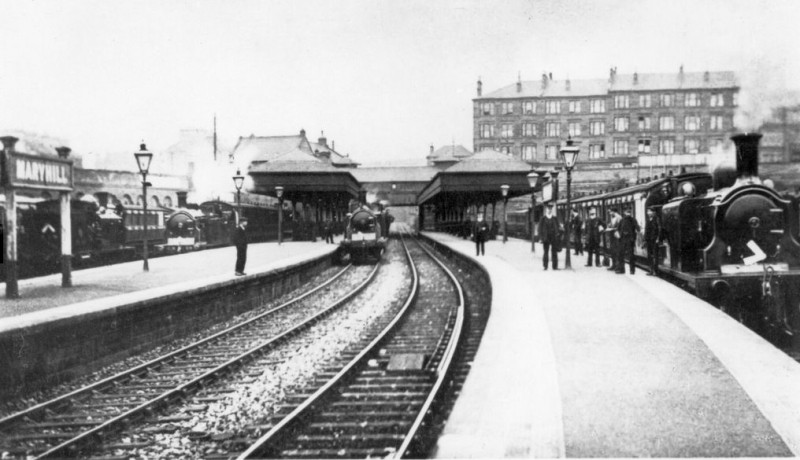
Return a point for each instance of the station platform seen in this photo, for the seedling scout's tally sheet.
(589, 363)
(43, 299)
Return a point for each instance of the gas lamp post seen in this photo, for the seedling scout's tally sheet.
(143, 158)
(569, 154)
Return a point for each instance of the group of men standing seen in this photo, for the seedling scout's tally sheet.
(620, 229)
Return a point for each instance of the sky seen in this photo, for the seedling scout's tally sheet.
(383, 79)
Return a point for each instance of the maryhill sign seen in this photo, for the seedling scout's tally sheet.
(30, 171)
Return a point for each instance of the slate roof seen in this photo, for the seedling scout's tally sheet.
(267, 148)
(395, 174)
(489, 161)
(622, 82)
(336, 158)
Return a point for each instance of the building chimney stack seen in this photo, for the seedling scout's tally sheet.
(519, 83)
(636, 78)
(8, 143)
(544, 81)
(567, 85)
(431, 149)
(63, 152)
(680, 75)
(322, 140)
(706, 76)
(302, 132)
(612, 75)
(480, 87)
(333, 145)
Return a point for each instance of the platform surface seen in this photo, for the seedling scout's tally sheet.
(42, 299)
(588, 363)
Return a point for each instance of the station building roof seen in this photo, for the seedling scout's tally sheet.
(477, 179)
(548, 87)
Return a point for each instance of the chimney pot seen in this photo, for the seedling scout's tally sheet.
(9, 142)
(63, 152)
(480, 86)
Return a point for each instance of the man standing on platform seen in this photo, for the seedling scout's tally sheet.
(593, 230)
(549, 232)
(577, 232)
(652, 239)
(613, 237)
(628, 229)
(240, 241)
(481, 234)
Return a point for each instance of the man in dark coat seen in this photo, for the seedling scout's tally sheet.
(550, 236)
(480, 235)
(576, 225)
(628, 229)
(240, 241)
(613, 238)
(652, 239)
(594, 229)
(328, 231)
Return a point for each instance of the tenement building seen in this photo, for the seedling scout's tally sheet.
(642, 123)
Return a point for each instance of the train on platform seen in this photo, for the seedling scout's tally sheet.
(728, 237)
(99, 235)
(211, 224)
(366, 233)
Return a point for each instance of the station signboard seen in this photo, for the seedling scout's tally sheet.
(36, 172)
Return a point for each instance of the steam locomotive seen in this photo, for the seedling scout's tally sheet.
(99, 235)
(728, 238)
(211, 224)
(366, 233)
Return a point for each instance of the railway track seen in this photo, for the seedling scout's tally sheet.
(73, 423)
(377, 398)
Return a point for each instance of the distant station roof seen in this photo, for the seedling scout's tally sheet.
(477, 179)
(448, 154)
(549, 87)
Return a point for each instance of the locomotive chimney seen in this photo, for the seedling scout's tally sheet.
(102, 198)
(181, 199)
(747, 158)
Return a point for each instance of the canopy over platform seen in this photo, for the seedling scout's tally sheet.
(477, 180)
(304, 181)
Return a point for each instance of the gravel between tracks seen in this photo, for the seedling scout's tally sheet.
(213, 428)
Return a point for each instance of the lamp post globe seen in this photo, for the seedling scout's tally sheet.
(570, 155)
(143, 159)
